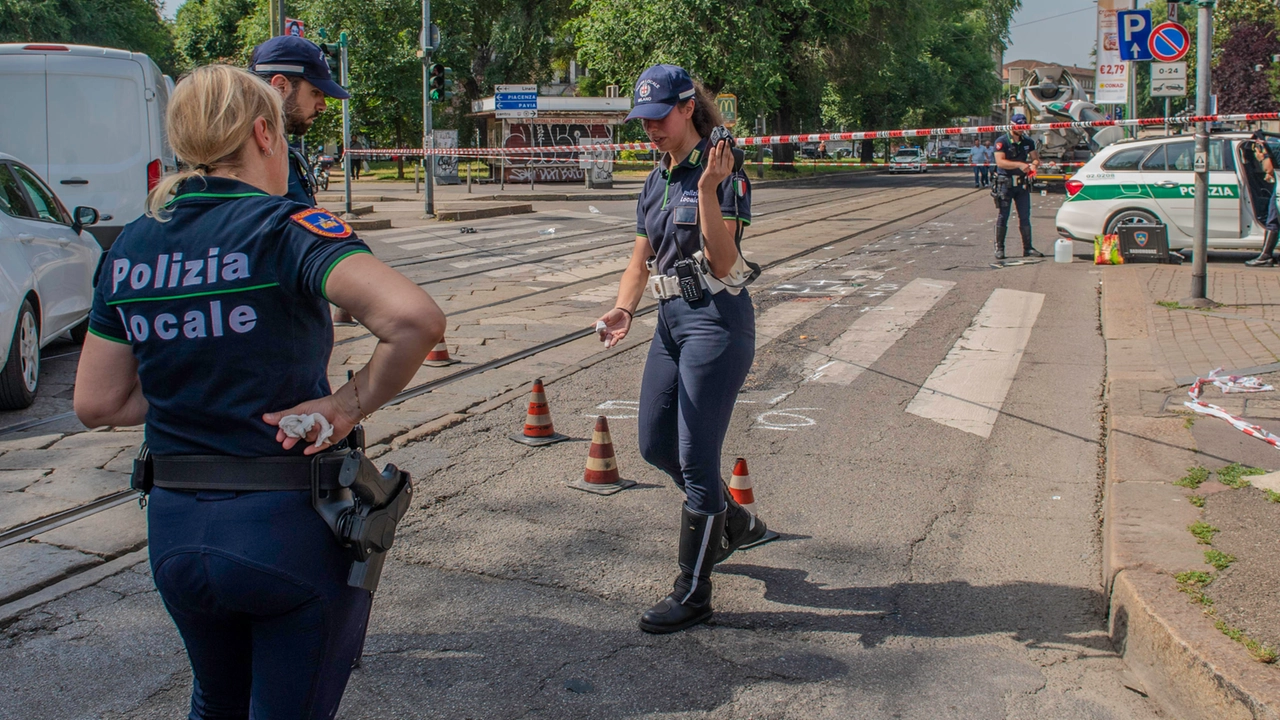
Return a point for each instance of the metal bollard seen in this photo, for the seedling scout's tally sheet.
(468, 177)
(415, 177)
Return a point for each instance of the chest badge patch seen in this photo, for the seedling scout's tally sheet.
(322, 222)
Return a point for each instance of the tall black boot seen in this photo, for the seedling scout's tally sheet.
(1265, 259)
(690, 601)
(1028, 250)
(1001, 233)
(741, 529)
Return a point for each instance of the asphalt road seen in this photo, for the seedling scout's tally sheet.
(922, 428)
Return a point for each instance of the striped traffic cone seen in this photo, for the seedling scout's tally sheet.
(740, 489)
(538, 430)
(439, 356)
(740, 486)
(601, 476)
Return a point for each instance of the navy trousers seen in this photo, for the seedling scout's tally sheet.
(257, 585)
(1019, 197)
(698, 361)
(1273, 218)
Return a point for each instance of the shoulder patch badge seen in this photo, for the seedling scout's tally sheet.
(322, 222)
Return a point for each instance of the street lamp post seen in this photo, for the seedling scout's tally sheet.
(1204, 69)
(428, 137)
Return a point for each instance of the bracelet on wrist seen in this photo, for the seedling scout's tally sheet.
(630, 314)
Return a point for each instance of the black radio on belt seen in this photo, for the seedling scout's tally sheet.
(690, 283)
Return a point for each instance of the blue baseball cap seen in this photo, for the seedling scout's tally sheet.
(295, 57)
(658, 90)
(1019, 119)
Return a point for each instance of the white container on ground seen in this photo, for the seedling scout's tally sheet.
(1063, 251)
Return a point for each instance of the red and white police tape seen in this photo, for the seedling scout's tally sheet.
(1231, 384)
(842, 136)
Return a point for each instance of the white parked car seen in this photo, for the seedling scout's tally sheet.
(47, 263)
(90, 121)
(909, 159)
(1152, 181)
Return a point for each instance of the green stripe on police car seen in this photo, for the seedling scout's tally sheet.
(1153, 192)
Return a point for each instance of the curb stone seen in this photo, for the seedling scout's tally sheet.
(1170, 645)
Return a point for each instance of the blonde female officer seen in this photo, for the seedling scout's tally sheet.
(210, 322)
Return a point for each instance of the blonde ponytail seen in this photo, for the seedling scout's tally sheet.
(210, 118)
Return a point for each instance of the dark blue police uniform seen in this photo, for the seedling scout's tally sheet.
(302, 183)
(701, 351)
(1019, 192)
(224, 308)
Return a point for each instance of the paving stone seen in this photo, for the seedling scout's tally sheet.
(19, 508)
(122, 463)
(98, 440)
(108, 534)
(79, 485)
(15, 480)
(86, 457)
(28, 566)
(31, 441)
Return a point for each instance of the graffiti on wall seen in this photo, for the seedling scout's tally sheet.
(550, 166)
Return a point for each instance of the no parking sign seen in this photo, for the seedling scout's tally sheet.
(1169, 42)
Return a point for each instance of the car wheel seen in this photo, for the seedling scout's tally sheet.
(20, 378)
(80, 332)
(1131, 217)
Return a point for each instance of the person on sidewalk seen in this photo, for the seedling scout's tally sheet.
(253, 576)
(976, 159)
(689, 221)
(1262, 152)
(1013, 185)
(296, 68)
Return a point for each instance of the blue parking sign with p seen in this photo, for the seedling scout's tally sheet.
(1135, 34)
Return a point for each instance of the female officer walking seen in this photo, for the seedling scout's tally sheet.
(688, 221)
(210, 322)
(1262, 153)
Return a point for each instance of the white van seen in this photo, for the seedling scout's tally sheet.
(90, 121)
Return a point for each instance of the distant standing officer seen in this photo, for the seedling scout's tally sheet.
(1017, 161)
(1262, 153)
(296, 68)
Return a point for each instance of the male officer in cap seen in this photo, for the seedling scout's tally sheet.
(1013, 185)
(296, 68)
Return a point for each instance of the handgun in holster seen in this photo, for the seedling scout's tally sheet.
(1002, 189)
(364, 511)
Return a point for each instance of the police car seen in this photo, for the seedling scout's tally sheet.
(909, 159)
(1152, 182)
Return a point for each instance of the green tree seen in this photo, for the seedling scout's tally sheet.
(133, 25)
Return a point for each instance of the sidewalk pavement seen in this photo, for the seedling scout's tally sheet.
(1165, 622)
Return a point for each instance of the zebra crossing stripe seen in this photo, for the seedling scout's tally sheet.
(968, 388)
(859, 347)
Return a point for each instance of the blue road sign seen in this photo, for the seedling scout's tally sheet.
(1135, 34)
(515, 101)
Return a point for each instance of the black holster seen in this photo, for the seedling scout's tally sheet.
(363, 513)
(1002, 189)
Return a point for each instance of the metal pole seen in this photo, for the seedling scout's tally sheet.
(428, 137)
(502, 139)
(1204, 69)
(280, 16)
(1166, 115)
(1133, 95)
(346, 129)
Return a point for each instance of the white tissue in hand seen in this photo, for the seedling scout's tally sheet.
(297, 426)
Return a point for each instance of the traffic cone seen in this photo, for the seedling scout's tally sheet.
(740, 486)
(741, 489)
(538, 430)
(439, 356)
(601, 476)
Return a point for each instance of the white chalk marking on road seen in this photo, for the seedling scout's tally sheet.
(968, 388)
(789, 419)
(627, 409)
(874, 332)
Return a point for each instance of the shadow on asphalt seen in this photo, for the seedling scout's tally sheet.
(1036, 614)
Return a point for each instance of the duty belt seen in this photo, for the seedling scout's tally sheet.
(236, 474)
(665, 287)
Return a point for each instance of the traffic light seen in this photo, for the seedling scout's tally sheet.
(441, 83)
(333, 58)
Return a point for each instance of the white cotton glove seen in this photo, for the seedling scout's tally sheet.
(297, 426)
